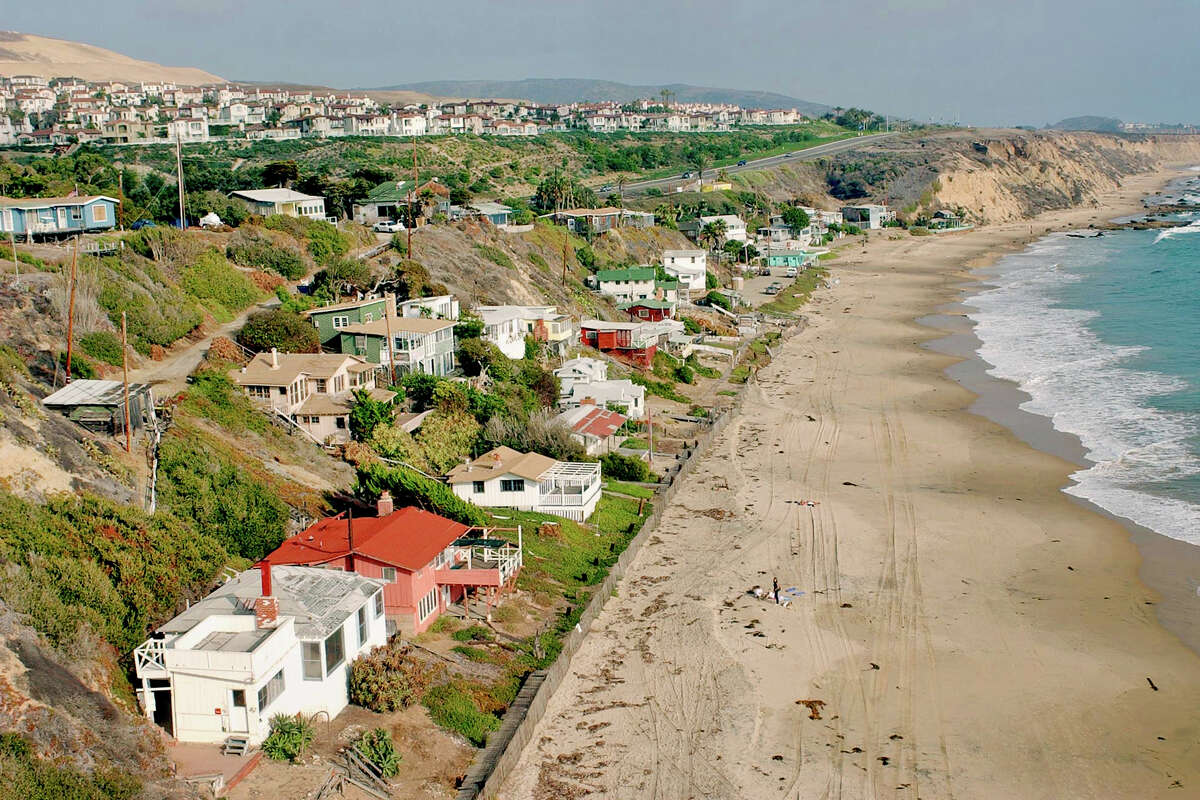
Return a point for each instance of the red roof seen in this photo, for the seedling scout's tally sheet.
(408, 538)
(599, 422)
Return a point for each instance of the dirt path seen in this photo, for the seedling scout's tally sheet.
(959, 628)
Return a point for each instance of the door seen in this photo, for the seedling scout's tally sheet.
(239, 719)
(62, 219)
(445, 597)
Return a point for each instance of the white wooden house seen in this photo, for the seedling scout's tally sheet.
(273, 640)
(506, 478)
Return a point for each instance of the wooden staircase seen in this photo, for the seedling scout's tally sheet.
(236, 745)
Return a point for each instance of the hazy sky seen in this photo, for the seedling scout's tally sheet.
(985, 62)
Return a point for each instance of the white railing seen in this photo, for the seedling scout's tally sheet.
(149, 657)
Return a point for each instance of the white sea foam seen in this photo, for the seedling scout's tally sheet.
(1081, 385)
(1193, 227)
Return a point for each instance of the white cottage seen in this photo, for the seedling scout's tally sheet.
(505, 478)
(273, 640)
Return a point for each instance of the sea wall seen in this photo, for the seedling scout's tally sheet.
(497, 760)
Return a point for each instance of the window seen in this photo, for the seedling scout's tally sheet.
(379, 604)
(259, 391)
(389, 574)
(477, 487)
(340, 322)
(427, 605)
(76, 213)
(100, 213)
(310, 655)
(239, 698)
(507, 485)
(340, 422)
(335, 651)
(321, 386)
(362, 626)
(368, 317)
(270, 691)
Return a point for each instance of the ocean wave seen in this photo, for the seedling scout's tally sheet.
(1193, 227)
(1084, 386)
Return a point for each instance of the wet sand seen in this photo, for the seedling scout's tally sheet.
(961, 628)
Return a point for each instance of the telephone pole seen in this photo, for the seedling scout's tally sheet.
(125, 381)
(71, 310)
(179, 179)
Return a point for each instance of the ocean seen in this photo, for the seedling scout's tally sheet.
(1103, 334)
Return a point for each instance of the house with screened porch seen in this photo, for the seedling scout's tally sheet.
(506, 478)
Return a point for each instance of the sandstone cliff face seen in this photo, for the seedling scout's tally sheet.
(1016, 175)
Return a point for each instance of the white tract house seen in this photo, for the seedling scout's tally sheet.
(506, 478)
(273, 640)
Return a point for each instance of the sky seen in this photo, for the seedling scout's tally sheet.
(993, 62)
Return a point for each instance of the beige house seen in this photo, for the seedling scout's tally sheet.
(265, 202)
(313, 390)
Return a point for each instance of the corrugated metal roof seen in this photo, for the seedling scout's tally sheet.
(94, 393)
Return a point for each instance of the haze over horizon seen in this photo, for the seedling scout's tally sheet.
(1022, 62)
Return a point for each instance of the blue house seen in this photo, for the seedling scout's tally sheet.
(496, 213)
(796, 258)
(57, 216)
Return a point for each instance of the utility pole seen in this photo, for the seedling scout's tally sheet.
(391, 345)
(179, 179)
(413, 194)
(16, 263)
(71, 310)
(125, 381)
(566, 249)
(121, 199)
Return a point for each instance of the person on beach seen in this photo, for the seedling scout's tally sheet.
(775, 589)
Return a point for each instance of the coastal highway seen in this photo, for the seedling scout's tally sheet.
(670, 182)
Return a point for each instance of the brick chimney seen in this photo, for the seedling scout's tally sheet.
(384, 505)
(266, 607)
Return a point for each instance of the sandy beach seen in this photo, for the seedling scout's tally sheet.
(959, 627)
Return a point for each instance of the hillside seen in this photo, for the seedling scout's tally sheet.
(567, 90)
(28, 54)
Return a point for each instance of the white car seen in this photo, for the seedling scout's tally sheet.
(791, 272)
(388, 227)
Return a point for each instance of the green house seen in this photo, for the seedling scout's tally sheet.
(419, 344)
(330, 320)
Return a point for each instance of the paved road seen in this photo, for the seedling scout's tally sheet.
(670, 183)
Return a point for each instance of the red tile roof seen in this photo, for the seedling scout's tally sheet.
(600, 422)
(408, 538)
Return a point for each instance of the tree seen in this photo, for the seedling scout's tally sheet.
(795, 218)
(367, 414)
(468, 326)
(698, 159)
(666, 215)
(285, 331)
(714, 233)
(280, 173)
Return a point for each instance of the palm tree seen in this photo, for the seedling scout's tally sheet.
(666, 214)
(714, 233)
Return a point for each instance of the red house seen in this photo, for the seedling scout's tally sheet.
(649, 310)
(428, 561)
(633, 342)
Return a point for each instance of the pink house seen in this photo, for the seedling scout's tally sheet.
(427, 561)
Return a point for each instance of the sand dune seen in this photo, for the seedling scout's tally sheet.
(965, 630)
(27, 54)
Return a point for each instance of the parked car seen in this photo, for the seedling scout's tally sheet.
(772, 289)
(608, 187)
(384, 226)
(764, 270)
(742, 163)
(143, 223)
(791, 272)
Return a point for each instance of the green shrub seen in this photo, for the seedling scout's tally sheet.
(387, 679)
(103, 346)
(477, 654)
(251, 249)
(691, 326)
(684, 374)
(410, 488)
(664, 389)
(454, 709)
(715, 298)
(326, 243)
(377, 747)
(286, 331)
(919, 231)
(161, 317)
(539, 262)
(217, 285)
(80, 366)
(495, 255)
(624, 468)
(706, 372)
(24, 775)
(474, 633)
(289, 737)
(710, 280)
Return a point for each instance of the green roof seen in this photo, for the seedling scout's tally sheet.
(672, 284)
(390, 192)
(663, 305)
(635, 274)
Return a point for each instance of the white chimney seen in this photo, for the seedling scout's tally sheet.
(274, 358)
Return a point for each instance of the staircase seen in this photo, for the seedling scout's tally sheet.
(236, 745)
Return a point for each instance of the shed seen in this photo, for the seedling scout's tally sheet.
(100, 405)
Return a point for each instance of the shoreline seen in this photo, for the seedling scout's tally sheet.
(961, 628)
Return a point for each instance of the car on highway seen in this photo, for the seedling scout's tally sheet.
(385, 226)
(787, 155)
(790, 273)
(608, 187)
(742, 163)
(764, 270)
(687, 174)
(774, 288)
